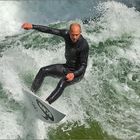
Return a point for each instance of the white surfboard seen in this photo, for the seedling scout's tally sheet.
(42, 109)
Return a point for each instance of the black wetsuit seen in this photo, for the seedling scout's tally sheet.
(76, 55)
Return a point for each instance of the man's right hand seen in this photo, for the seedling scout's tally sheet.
(27, 26)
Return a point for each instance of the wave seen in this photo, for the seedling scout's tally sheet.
(105, 104)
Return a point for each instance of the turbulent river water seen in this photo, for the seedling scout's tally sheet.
(105, 104)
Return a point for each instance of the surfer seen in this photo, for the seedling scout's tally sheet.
(76, 54)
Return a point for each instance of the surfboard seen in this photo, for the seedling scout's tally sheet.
(42, 109)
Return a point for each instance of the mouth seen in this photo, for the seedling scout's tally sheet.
(74, 40)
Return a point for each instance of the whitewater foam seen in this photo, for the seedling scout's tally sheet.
(106, 94)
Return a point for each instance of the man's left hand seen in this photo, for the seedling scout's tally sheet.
(70, 76)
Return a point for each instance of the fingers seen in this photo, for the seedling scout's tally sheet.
(27, 26)
(70, 76)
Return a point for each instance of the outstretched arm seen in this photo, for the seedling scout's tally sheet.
(45, 29)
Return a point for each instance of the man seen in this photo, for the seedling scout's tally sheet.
(76, 54)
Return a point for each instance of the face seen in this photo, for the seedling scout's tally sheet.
(75, 33)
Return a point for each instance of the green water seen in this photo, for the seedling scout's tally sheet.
(103, 106)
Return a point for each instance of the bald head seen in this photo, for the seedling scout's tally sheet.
(75, 32)
(75, 26)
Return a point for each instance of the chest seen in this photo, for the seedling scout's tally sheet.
(73, 51)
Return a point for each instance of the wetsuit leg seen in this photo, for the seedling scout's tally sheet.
(56, 70)
(58, 91)
(63, 83)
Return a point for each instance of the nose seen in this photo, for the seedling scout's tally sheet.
(74, 36)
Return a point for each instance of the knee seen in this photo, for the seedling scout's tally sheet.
(43, 70)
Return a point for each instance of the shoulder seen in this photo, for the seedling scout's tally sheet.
(83, 43)
(64, 32)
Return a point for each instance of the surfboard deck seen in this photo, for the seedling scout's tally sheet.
(42, 109)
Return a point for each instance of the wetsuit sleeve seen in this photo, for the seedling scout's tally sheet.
(83, 58)
(46, 29)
